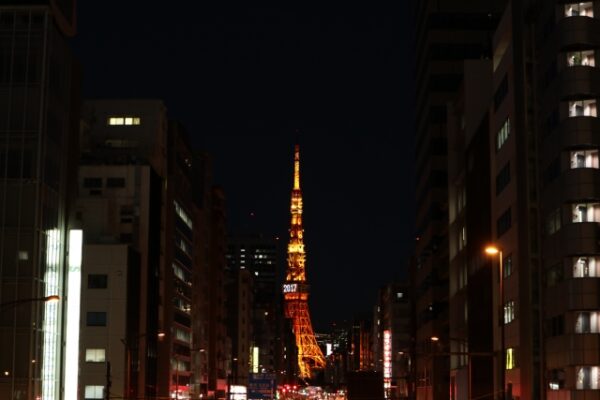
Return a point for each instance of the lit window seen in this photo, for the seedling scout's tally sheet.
(115, 121)
(94, 392)
(507, 266)
(509, 312)
(585, 267)
(585, 58)
(584, 159)
(399, 295)
(503, 133)
(462, 238)
(587, 378)
(511, 358)
(95, 355)
(582, 108)
(586, 212)
(124, 120)
(580, 9)
(183, 215)
(587, 322)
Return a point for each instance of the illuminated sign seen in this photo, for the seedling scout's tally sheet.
(255, 359)
(51, 324)
(237, 392)
(290, 288)
(387, 361)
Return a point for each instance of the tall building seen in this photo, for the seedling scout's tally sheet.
(39, 106)
(470, 343)
(447, 32)
(392, 340)
(259, 255)
(566, 130)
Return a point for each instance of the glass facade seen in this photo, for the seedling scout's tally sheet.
(36, 89)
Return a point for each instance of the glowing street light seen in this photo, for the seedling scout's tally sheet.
(495, 251)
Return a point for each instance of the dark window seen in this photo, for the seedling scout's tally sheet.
(437, 114)
(507, 266)
(503, 178)
(92, 182)
(115, 182)
(552, 171)
(554, 274)
(557, 326)
(97, 281)
(501, 92)
(96, 318)
(504, 223)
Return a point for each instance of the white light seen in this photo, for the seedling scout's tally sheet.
(255, 360)
(51, 324)
(73, 309)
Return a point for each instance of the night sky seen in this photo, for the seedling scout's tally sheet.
(243, 79)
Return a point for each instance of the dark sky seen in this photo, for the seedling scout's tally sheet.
(242, 79)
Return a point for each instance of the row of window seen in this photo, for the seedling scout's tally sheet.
(583, 9)
(123, 120)
(96, 183)
(580, 212)
(586, 377)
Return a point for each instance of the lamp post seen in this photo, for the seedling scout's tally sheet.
(495, 251)
(47, 299)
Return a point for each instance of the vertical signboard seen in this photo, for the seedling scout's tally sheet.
(387, 362)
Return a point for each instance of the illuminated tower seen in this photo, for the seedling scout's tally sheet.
(295, 288)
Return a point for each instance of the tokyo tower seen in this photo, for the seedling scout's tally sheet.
(295, 288)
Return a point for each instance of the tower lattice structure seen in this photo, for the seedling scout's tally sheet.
(295, 288)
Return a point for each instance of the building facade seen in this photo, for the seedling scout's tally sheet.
(39, 112)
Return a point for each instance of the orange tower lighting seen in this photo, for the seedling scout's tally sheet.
(295, 288)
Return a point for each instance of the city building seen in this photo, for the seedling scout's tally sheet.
(470, 343)
(260, 255)
(446, 33)
(392, 340)
(39, 114)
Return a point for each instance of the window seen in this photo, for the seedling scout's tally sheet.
(557, 379)
(115, 182)
(184, 215)
(511, 358)
(582, 108)
(502, 135)
(585, 267)
(97, 281)
(586, 212)
(503, 223)
(503, 178)
(94, 392)
(183, 335)
(124, 120)
(557, 326)
(461, 198)
(585, 58)
(95, 355)
(462, 238)
(89, 183)
(553, 222)
(399, 295)
(587, 322)
(587, 378)
(507, 266)
(96, 318)
(584, 159)
(554, 274)
(580, 9)
(509, 311)
(501, 92)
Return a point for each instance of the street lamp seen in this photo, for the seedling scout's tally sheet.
(495, 251)
(48, 299)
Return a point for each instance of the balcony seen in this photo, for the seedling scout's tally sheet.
(578, 131)
(577, 32)
(580, 183)
(577, 81)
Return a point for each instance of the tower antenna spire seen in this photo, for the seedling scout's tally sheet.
(296, 289)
